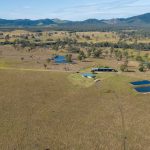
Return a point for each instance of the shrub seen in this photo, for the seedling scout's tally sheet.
(141, 69)
(69, 58)
(139, 58)
(123, 68)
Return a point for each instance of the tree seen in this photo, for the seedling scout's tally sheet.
(111, 51)
(45, 66)
(7, 37)
(148, 66)
(124, 68)
(146, 56)
(22, 58)
(88, 53)
(126, 54)
(96, 52)
(93, 71)
(132, 55)
(15, 45)
(139, 58)
(119, 56)
(126, 62)
(81, 55)
(56, 47)
(32, 46)
(141, 67)
(69, 58)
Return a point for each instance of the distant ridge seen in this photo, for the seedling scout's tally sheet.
(140, 20)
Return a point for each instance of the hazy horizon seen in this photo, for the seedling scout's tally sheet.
(72, 10)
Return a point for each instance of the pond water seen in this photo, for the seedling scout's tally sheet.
(143, 89)
(144, 82)
(60, 59)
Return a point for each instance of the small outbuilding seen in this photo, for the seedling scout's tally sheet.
(88, 75)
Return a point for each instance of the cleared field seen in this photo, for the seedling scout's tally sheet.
(44, 110)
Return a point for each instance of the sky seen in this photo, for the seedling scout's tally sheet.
(72, 9)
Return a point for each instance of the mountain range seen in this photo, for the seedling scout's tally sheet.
(137, 21)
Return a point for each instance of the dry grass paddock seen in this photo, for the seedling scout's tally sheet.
(44, 110)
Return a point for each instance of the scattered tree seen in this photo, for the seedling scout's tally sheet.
(69, 58)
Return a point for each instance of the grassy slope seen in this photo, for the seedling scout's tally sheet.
(45, 110)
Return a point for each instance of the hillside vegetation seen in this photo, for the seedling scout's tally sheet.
(90, 24)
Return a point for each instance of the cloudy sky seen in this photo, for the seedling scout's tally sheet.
(72, 9)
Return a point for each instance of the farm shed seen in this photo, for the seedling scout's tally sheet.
(103, 70)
